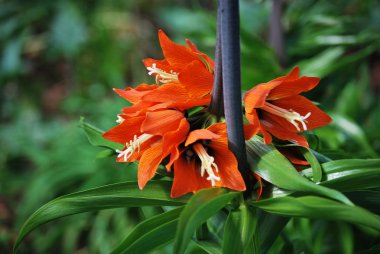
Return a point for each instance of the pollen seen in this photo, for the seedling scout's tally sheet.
(208, 165)
(163, 76)
(290, 115)
(132, 146)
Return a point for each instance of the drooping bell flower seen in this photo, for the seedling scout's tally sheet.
(277, 108)
(205, 161)
(183, 68)
(149, 138)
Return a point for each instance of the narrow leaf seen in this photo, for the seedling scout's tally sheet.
(350, 175)
(150, 234)
(239, 231)
(270, 227)
(126, 194)
(209, 247)
(95, 137)
(271, 165)
(319, 208)
(315, 166)
(200, 207)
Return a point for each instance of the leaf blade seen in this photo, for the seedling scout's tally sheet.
(200, 207)
(319, 208)
(125, 194)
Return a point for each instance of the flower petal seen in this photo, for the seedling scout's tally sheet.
(229, 174)
(173, 139)
(208, 60)
(161, 122)
(125, 131)
(177, 55)
(257, 123)
(202, 134)
(293, 87)
(256, 97)
(160, 64)
(304, 106)
(148, 164)
(134, 95)
(187, 178)
(276, 129)
(196, 79)
(168, 93)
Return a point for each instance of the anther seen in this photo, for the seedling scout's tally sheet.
(163, 76)
(207, 163)
(290, 115)
(132, 146)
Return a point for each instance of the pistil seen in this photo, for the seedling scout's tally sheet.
(132, 146)
(208, 165)
(291, 116)
(163, 76)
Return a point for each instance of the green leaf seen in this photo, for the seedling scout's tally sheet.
(271, 165)
(350, 174)
(319, 208)
(315, 166)
(239, 231)
(95, 137)
(126, 194)
(354, 131)
(270, 227)
(151, 233)
(209, 247)
(200, 207)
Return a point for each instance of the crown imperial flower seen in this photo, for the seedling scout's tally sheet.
(277, 109)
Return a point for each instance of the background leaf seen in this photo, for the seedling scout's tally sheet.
(318, 207)
(239, 232)
(271, 165)
(350, 174)
(95, 137)
(151, 233)
(200, 207)
(156, 193)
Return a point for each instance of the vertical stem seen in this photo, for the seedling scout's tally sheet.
(216, 105)
(276, 38)
(230, 41)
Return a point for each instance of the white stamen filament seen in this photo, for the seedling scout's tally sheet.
(291, 116)
(132, 146)
(119, 119)
(207, 163)
(162, 76)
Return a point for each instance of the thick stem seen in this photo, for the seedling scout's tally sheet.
(276, 33)
(216, 105)
(230, 41)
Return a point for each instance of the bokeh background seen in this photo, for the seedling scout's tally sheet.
(60, 60)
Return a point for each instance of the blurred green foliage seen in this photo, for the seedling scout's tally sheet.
(60, 60)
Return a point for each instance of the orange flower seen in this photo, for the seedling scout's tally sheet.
(186, 75)
(149, 138)
(205, 161)
(277, 108)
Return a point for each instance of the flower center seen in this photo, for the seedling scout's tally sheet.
(132, 145)
(162, 76)
(208, 164)
(291, 116)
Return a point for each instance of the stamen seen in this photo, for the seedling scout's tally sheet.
(162, 76)
(132, 146)
(207, 163)
(291, 116)
(119, 119)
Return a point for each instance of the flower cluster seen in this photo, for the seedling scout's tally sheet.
(162, 127)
